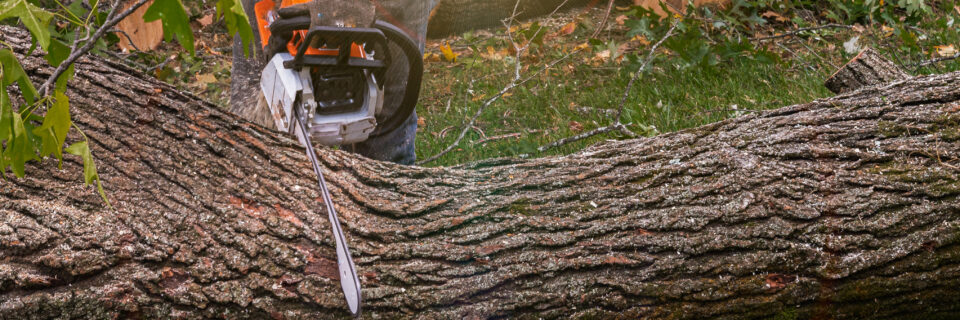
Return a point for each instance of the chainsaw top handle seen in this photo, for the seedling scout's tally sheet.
(359, 40)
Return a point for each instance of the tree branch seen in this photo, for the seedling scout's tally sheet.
(112, 19)
(795, 32)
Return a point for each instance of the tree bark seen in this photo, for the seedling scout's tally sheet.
(868, 68)
(839, 208)
(456, 16)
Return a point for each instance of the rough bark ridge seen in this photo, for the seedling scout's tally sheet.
(868, 68)
(845, 207)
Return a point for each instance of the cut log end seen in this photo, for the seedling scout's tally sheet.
(868, 68)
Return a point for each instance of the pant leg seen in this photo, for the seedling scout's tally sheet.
(398, 146)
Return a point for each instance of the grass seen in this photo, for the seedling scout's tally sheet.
(584, 91)
(579, 98)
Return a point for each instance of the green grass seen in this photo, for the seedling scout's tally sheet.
(668, 99)
(665, 99)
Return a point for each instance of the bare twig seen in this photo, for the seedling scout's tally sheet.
(617, 126)
(937, 60)
(517, 81)
(495, 138)
(633, 79)
(112, 19)
(603, 22)
(129, 39)
(126, 60)
(795, 32)
(795, 54)
(814, 52)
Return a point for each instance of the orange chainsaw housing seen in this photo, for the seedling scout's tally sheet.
(263, 9)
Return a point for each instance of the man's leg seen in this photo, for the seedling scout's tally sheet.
(411, 16)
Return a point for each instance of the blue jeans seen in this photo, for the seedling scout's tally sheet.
(397, 146)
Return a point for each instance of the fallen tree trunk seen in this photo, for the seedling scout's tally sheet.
(845, 207)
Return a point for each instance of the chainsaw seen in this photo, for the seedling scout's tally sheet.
(324, 82)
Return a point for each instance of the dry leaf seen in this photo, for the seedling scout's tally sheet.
(145, 35)
(576, 126)
(946, 50)
(202, 80)
(421, 122)
(431, 57)
(494, 54)
(622, 19)
(568, 28)
(775, 16)
(887, 31)
(206, 20)
(448, 53)
(641, 39)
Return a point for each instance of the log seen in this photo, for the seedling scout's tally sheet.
(839, 208)
(456, 16)
(868, 68)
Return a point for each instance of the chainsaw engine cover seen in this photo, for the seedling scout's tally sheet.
(340, 105)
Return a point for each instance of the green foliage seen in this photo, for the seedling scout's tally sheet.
(175, 21)
(90, 176)
(12, 73)
(34, 18)
(237, 21)
(56, 125)
(24, 134)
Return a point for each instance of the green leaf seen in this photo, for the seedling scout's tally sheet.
(19, 149)
(57, 53)
(82, 149)
(56, 125)
(61, 83)
(6, 113)
(34, 18)
(13, 72)
(175, 21)
(237, 21)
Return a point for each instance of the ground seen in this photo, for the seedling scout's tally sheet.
(583, 90)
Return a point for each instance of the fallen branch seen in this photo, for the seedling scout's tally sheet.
(515, 82)
(495, 138)
(633, 79)
(626, 93)
(603, 22)
(937, 60)
(598, 131)
(795, 32)
(112, 19)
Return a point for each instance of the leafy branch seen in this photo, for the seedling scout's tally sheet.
(22, 139)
